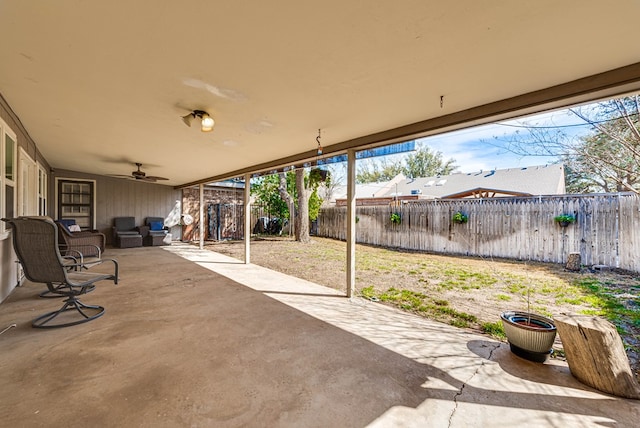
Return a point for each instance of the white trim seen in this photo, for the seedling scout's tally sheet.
(6, 130)
(27, 188)
(41, 171)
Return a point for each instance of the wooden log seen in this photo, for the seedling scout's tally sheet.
(596, 355)
(573, 262)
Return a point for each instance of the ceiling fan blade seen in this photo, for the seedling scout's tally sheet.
(154, 178)
(120, 176)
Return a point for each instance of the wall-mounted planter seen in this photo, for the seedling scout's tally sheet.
(565, 220)
(460, 217)
(395, 218)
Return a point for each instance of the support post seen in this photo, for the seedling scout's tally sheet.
(351, 222)
(201, 220)
(247, 218)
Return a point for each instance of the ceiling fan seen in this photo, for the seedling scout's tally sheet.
(141, 175)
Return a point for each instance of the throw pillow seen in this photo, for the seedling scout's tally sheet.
(156, 225)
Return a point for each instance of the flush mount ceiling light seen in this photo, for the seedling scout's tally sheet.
(206, 121)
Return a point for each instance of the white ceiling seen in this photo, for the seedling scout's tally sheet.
(102, 84)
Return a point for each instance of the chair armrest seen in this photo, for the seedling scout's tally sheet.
(143, 230)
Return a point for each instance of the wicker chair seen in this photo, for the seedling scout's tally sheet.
(35, 241)
(88, 244)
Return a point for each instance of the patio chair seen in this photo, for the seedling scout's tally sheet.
(35, 241)
(153, 232)
(79, 250)
(88, 244)
(125, 233)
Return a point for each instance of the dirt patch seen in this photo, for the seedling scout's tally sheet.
(463, 291)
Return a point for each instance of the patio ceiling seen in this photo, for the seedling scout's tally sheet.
(101, 85)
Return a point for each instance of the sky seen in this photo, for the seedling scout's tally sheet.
(484, 147)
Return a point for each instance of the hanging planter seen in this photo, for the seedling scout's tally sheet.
(565, 220)
(530, 336)
(317, 175)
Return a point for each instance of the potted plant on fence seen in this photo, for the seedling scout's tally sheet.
(565, 219)
(460, 217)
(395, 218)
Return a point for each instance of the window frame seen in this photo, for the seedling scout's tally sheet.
(43, 189)
(5, 130)
(93, 198)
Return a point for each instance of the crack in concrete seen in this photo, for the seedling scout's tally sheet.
(464, 384)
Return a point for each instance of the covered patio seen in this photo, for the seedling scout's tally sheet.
(194, 338)
(190, 338)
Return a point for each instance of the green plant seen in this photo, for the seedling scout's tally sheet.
(317, 175)
(395, 218)
(565, 218)
(494, 329)
(460, 217)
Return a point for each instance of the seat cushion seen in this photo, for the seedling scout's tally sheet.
(128, 241)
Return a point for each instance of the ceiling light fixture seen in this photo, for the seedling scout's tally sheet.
(206, 121)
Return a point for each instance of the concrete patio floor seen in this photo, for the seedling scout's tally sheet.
(194, 338)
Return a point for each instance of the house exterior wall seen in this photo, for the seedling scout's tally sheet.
(120, 198)
(8, 266)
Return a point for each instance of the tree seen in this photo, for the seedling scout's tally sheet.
(377, 170)
(338, 175)
(422, 163)
(278, 191)
(267, 192)
(427, 163)
(606, 159)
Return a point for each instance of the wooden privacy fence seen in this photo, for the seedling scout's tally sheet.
(606, 231)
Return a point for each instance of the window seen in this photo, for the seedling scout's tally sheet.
(8, 149)
(76, 201)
